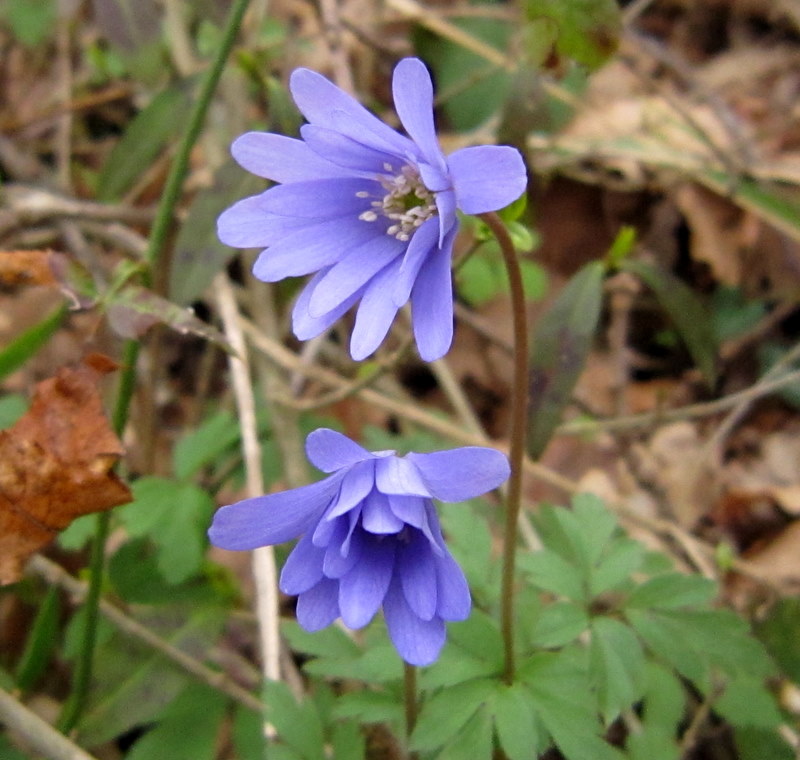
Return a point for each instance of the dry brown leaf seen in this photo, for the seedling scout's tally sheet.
(26, 268)
(55, 464)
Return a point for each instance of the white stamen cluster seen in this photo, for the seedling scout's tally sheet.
(408, 203)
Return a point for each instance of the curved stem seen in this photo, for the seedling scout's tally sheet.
(158, 237)
(519, 415)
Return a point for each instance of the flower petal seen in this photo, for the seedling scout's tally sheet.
(303, 567)
(419, 247)
(354, 271)
(417, 570)
(282, 159)
(339, 562)
(453, 598)
(463, 473)
(409, 509)
(320, 199)
(375, 313)
(323, 103)
(304, 325)
(412, 90)
(487, 177)
(446, 205)
(417, 641)
(247, 225)
(348, 152)
(377, 516)
(432, 303)
(362, 590)
(274, 518)
(311, 248)
(356, 485)
(319, 606)
(329, 450)
(396, 475)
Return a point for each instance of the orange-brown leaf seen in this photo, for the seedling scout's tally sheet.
(56, 464)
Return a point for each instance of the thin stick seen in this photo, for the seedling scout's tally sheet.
(37, 732)
(519, 419)
(264, 571)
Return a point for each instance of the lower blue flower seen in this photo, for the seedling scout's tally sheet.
(370, 538)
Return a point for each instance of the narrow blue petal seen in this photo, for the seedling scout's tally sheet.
(434, 179)
(304, 325)
(282, 159)
(303, 567)
(357, 483)
(453, 597)
(419, 247)
(274, 518)
(329, 450)
(396, 475)
(446, 205)
(354, 271)
(375, 313)
(362, 590)
(463, 473)
(377, 516)
(432, 304)
(337, 561)
(487, 177)
(348, 152)
(319, 606)
(413, 100)
(247, 225)
(320, 199)
(417, 641)
(324, 104)
(310, 248)
(409, 509)
(416, 567)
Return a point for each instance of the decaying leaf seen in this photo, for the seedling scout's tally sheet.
(55, 464)
(26, 267)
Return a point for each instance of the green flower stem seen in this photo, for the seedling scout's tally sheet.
(153, 256)
(410, 692)
(519, 415)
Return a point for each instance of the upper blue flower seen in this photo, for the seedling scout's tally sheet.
(371, 538)
(371, 211)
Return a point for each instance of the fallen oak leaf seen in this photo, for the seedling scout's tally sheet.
(26, 267)
(56, 464)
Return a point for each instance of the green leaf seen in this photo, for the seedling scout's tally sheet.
(40, 643)
(558, 624)
(348, 742)
(691, 318)
(587, 31)
(446, 713)
(597, 524)
(198, 448)
(248, 735)
(12, 407)
(672, 590)
(481, 277)
(624, 556)
(297, 724)
(551, 572)
(370, 707)
(617, 666)
(179, 734)
(24, 346)
(329, 642)
(470, 541)
(747, 702)
(480, 636)
(145, 137)
(515, 722)
(561, 343)
(77, 533)
(535, 280)
(759, 743)
(31, 21)
(175, 516)
(733, 315)
(8, 752)
(199, 254)
(778, 632)
(474, 742)
(662, 711)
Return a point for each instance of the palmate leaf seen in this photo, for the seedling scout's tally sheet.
(560, 345)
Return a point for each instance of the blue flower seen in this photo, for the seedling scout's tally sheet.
(370, 211)
(370, 537)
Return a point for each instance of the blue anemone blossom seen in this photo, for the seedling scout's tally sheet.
(370, 211)
(370, 538)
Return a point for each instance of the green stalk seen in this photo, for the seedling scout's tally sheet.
(410, 694)
(155, 249)
(519, 415)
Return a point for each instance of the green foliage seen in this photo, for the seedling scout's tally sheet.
(40, 643)
(559, 347)
(687, 312)
(12, 407)
(25, 345)
(30, 21)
